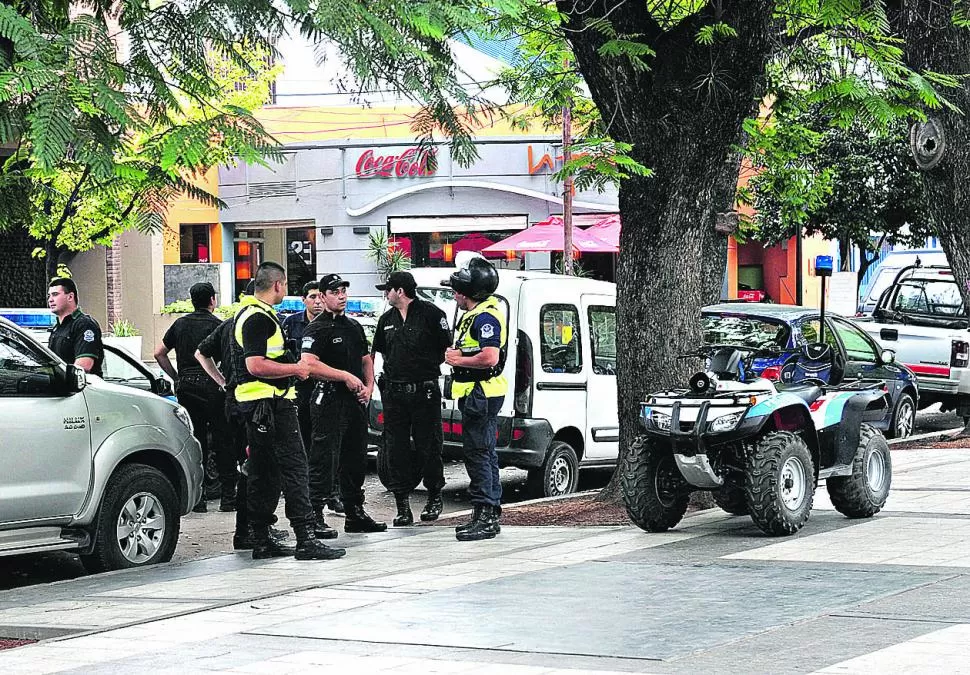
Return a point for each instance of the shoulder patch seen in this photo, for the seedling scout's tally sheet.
(88, 335)
(444, 323)
(488, 330)
(307, 343)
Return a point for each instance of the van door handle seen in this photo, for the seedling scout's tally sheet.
(561, 386)
(890, 334)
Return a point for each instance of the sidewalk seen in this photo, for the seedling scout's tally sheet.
(889, 593)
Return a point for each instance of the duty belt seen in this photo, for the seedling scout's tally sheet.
(410, 387)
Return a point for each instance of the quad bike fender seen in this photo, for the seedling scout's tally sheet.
(865, 406)
(786, 412)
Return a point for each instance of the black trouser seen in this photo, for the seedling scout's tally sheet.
(205, 403)
(277, 461)
(413, 410)
(237, 442)
(303, 399)
(479, 419)
(339, 449)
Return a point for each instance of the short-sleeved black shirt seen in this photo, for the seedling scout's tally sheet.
(78, 335)
(218, 345)
(185, 335)
(413, 348)
(337, 341)
(294, 327)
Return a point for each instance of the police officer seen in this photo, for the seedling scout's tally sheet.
(264, 371)
(197, 393)
(477, 362)
(77, 337)
(293, 329)
(412, 336)
(335, 349)
(215, 356)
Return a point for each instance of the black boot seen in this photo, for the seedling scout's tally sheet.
(336, 506)
(227, 503)
(357, 520)
(244, 541)
(201, 507)
(308, 547)
(267, 546)
(433, 508)
(476, 514)
(486, 527)
(404, 516)
(320, 528)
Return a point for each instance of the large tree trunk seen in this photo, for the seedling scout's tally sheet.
(684, 118)
(934, 43)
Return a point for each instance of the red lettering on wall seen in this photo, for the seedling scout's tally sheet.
(412, 163)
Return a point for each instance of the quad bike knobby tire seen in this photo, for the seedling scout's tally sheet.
(864, 493)
(780, 483)
(732, 499)
(654, 492)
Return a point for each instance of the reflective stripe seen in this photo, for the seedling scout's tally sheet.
(495, 386)
(255, 390)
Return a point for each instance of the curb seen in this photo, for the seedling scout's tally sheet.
(530, 502)
(946, 435)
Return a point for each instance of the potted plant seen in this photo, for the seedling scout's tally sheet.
(124, 335)
(388, 257)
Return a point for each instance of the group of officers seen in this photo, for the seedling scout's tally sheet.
(281, 406)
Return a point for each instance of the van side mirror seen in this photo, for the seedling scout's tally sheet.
(888, 356)
(76, 379)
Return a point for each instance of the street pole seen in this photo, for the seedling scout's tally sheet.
(567, 193)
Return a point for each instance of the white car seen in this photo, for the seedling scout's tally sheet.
(561, 411)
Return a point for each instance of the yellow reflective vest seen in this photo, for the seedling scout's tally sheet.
(250, 387)
(492, 380)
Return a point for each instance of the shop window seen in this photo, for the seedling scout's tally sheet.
(194, 243)
(248, 249)
(438, 249)
(301, 258)
(560, 349)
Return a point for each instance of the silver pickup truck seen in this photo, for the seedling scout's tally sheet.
(89, 466)
(922, 317)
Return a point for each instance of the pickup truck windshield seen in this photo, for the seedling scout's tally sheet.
(744, 331)
(939, 298)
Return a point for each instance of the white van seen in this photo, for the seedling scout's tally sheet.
(886, 271)
(560, 414)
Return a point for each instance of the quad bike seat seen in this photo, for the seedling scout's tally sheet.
(805, 391)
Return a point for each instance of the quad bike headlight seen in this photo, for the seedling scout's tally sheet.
(661, 421)
(726, 422)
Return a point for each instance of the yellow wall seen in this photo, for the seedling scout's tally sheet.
(186, 210)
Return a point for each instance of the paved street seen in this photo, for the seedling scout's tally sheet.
(886, 594)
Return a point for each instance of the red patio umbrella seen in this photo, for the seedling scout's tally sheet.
(607, 229)
(548, 236)
(473, 241)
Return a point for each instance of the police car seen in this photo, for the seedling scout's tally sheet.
(560, 413)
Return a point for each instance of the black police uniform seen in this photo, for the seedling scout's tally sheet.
(294, 327)
(339, 421)
(277, 460)
(413, 350)
(200, 396)
(78, 335)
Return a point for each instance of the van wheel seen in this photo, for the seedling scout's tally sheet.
(138, 523)
(654, 492)
(559, 474)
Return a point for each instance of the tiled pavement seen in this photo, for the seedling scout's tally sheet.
(890, 594)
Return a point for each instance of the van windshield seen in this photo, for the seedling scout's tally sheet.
(745, 331)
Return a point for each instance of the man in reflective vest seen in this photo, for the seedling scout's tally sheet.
(266, 397)
(477, 361)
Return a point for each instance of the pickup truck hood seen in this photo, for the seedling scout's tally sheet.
(113, 406)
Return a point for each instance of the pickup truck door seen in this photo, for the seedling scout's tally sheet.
(602, 425)
(46, 436)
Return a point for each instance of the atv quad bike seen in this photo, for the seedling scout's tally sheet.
(760, 446)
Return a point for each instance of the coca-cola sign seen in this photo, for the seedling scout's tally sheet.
(412, 163)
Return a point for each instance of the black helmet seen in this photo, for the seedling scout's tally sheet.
(477, 279)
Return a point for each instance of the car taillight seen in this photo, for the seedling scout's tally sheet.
(518, 434)
(960, 354)
(772, 373)
(380, 418)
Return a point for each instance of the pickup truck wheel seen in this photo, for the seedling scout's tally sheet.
(654, 492)
(864, 493)
(559, 473)
(904, 417)
(732, 499)
(780, 483)
(138, 523)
